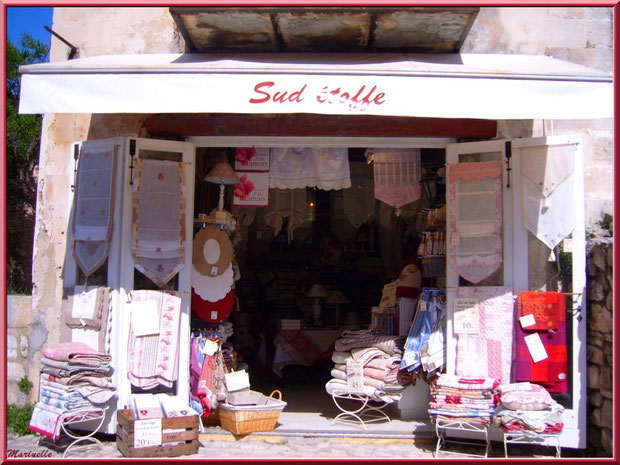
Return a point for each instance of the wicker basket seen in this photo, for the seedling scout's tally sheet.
(244, 419)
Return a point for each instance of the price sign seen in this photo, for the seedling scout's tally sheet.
(355, 377)
(147, 433)
(466, 316)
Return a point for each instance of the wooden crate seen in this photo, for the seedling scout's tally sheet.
(187, 440)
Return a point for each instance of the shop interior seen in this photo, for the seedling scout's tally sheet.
(339, 256)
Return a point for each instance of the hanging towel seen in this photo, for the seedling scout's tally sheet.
(158, 244)
(94, 204)
(487, 354)
(548, 191)
(475, 222)
(297, 168)
(552, 373)
(397, 175)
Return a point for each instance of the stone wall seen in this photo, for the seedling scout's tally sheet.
(21, 336)
(600, 344)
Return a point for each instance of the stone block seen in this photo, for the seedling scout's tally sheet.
(594, 377)
(607, 440)
(595, 339)
(11, 347)
(606, 379)
(609, 337)
(595, 417)
(23, 346)
(595, 398)
(610, 256)
(596, 355)
(607, 394)
(596, 291)
(14, 371)
(599, 257)
(600, 319)
(609, 302)
(607, 414)
(18, 311)
(592, 271)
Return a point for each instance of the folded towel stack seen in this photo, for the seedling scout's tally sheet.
(529, 408)
(472, 400)
(74, 382)
(380, 357)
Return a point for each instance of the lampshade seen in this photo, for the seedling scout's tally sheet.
(337, 297)
(317, 291)
(222, 173)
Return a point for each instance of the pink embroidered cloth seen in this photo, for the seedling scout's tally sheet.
(77, 353)
(153, 359)
(475, 221)
(397, 176)
(487, 354)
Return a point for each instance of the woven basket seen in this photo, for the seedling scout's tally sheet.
(244, 419)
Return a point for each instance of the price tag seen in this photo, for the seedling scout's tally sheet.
(214, 271)
(527, 320)
(210, 347)
(355, 377)
(466, 316)
(422, 305)
(536, 347)
(214, 314)
(147, 433)
(144, 318)
(237, 380)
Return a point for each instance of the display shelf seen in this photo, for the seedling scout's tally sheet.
(442, 426)
(532, 438)
(362, 415)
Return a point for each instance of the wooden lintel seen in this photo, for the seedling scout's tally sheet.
(176, 125)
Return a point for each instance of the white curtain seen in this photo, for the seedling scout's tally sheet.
(299, 167)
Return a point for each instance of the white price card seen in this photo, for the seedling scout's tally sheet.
(466, 316)
(527, 320)
(237, 380)
(144, 318)
(355, 377)
(210, 347)
(536, 347)
(147, 433)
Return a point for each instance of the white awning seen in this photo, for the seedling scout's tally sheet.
(438, 85)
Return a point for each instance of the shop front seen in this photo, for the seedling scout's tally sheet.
(400, 165)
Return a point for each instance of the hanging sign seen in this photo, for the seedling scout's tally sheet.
(252, 190)
(252, 159)
(147, 433)
(355, 377)
(466, 316)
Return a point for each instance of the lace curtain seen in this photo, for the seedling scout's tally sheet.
(475, 220)
(300, 167)
(397, 176)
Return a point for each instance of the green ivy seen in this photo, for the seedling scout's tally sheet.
(25, 385)
(18, 418)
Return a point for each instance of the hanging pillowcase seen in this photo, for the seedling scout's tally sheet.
(94, 204)
(296, 168)
(159, 220)
(548, 191)
(397, 176)
(475, 193)
(359, 199)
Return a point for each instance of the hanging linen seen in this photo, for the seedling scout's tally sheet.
(359, 200)
(475, 222)
(552, 371)
(159, 220)
(212, 288)
(487, 352)
(153, 358)
(397, 175)
(339, 222)
(299, 167)
(288, 203)
(94, 204)
(548, 193)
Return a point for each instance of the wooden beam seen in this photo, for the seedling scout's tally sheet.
(190, 124)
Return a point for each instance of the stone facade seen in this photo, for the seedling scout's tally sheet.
(22, 342)
(600, 344)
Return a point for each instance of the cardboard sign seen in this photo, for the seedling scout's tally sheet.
(252, 190)
(466, 316)
(388, 298)
(147, 433)
(355, 377)
(252, 159)
(237, 380)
